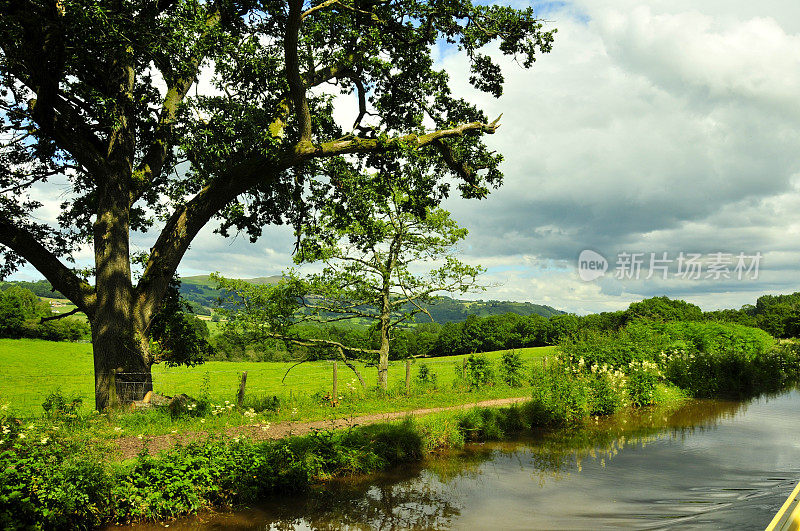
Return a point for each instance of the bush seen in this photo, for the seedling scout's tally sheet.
(706, 359)
(426, 378)
(608, 392)
(512, 368)
(733, 373)
(57, 405)
(478, 371)
(559, 397)
(642, 379)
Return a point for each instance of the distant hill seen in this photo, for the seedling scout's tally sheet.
(201, 295)
(200, 292)
(447, 309)
(40, 288)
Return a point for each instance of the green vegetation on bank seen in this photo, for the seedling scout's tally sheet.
(51, 484)
(55, 473)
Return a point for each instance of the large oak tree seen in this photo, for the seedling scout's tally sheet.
(160, 115)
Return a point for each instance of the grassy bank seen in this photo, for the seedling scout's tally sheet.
(56, 485)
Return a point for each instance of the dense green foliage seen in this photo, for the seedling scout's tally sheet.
(177, 336)
(21, 314)
(706, 359)
(40, 288)
(777, 314)
(46, 482)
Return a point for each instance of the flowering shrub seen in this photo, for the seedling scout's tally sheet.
(607, 390)
(706, 359)
(642, 378)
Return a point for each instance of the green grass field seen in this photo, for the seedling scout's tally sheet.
(30, 369)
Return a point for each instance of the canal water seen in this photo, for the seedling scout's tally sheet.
(707, 464)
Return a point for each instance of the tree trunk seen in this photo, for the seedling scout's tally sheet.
(383, 355)
(121, 364)
(121, 360)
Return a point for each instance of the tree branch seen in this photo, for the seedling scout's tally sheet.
(153, 161)
(188, 219)
(60, 276)
(59, 316)
(297, 88)
(350, 145)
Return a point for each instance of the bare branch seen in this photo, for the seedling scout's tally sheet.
(59, 316)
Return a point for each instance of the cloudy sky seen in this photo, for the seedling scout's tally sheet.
(652, 127)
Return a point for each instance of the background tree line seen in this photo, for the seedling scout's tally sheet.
(24, 314)
(21, 311)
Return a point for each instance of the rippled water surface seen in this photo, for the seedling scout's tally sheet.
(704, 465)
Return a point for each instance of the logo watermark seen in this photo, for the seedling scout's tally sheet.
(685, 266)
(591, 265)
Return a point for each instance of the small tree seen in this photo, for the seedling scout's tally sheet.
(384, 259)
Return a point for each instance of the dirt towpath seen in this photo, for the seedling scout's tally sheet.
(131, 446)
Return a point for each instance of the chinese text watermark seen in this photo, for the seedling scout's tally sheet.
(663, 265)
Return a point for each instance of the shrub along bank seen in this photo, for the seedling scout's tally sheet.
(49, 483)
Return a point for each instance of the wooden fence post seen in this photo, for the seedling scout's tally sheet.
(242, 384)
(408, 376)
(335, 380)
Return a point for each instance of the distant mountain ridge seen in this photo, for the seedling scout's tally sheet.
(200, 292)
(202, 296)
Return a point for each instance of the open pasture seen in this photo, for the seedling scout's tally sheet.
(31, 369)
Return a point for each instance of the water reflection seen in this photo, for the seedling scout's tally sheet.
(703, 464)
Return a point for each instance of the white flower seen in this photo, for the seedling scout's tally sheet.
(21, 435)
(139, 436)
(30, 427)
(44, 440)
(117, 428)
(202, 421)
(4, 407)
(236, 439)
